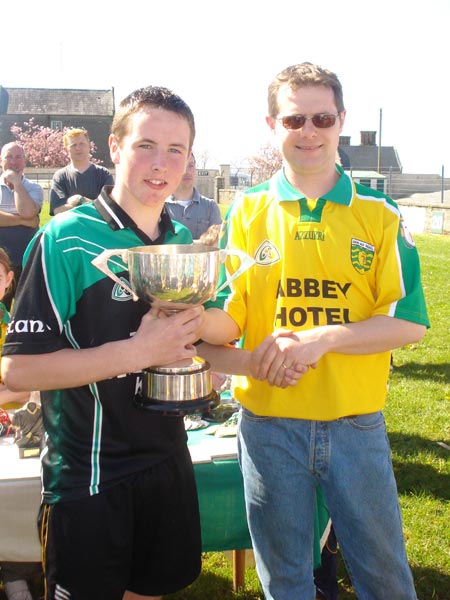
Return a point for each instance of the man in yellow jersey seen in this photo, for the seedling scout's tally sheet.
(335, 288)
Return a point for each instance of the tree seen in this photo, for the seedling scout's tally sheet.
(201, 159)
(44, 146)
(264, 164)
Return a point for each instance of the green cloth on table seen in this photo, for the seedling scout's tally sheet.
(222, 505)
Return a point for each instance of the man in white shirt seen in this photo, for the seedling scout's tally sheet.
(20, 205)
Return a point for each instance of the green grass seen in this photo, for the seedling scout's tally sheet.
(417, 416)
(45, 217)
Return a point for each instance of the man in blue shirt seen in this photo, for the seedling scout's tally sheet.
(20, 205)
(186, 205)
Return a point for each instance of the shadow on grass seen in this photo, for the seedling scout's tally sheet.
(211, 586)
(431, 584)
(427, 371)
(413, 477)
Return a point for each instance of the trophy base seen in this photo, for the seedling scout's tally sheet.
(180, 383)
(174, 408)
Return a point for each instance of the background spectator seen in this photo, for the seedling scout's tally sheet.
(20, 205)
(186, 205)
(81, 179)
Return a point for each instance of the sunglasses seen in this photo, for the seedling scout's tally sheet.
(320, 120)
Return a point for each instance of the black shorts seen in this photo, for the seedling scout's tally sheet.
(142, 535)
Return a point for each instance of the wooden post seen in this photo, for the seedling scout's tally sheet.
(238, 569)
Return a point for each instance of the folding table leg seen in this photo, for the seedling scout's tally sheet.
(238, 569)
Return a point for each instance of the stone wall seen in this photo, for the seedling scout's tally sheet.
(426, 218)
(404, 185)
(423, 212)
(420, 217)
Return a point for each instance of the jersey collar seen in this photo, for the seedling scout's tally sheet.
(341, 193)
(117, 218)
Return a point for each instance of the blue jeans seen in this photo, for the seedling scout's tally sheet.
(283, 461)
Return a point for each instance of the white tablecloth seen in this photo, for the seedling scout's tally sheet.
(20, 494)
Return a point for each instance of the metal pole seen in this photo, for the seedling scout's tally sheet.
(379, 142)
(442, 185)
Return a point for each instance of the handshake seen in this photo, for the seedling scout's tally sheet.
(284, 357)
(281, 359)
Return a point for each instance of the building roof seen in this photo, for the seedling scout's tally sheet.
(365, 158)
(16, 101)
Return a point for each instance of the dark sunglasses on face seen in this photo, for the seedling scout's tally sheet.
(320, 120)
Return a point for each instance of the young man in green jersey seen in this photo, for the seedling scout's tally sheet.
(335, 288)
(119, 517)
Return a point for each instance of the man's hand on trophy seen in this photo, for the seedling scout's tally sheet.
(163, 339)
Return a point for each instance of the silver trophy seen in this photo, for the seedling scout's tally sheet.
(173, 278)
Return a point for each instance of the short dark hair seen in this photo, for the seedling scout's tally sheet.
(156, 97)
(302, 75)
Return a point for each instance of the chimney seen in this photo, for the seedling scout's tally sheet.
(344, 140)
(368, 138)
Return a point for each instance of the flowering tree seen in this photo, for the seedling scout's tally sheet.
(44, 146)
(264, 164)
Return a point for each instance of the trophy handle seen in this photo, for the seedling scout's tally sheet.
(101, 262)
(246, 262)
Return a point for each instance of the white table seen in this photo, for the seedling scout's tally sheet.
(20, 496)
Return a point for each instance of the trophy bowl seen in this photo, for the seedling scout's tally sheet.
(173, 278)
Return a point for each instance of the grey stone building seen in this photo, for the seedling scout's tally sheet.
(368, 156)
(59, 108)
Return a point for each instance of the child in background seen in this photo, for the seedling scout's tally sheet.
(14, 574)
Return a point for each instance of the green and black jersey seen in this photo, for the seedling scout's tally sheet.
(96, 437)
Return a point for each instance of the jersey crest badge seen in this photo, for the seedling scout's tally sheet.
(362, 255)
(406, 235)
(267, 254)
(119, 293)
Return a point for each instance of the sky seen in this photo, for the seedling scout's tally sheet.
(391, 56)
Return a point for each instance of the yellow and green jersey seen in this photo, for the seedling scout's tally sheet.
(4, 320)
(341, 258)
